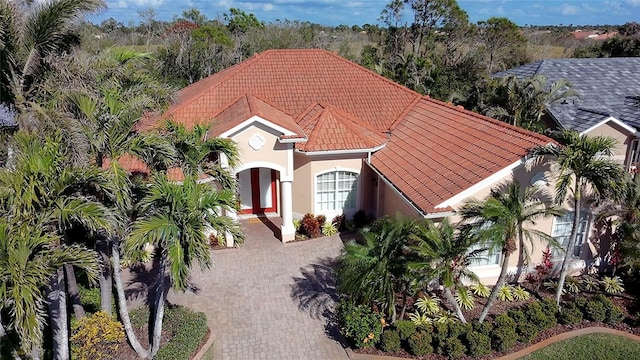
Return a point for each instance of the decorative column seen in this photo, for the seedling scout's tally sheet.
(288, 232)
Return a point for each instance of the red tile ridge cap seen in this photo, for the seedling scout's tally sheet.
(404, 113)
(350, 117)
(522, 131)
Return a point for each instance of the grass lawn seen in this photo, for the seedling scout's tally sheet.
(591, 346)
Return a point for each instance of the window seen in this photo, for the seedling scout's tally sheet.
(487, 257)
(336, 191)
(562, 230)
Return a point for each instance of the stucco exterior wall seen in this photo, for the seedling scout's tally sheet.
(390, 203)
(270, 153)
(615, 131)
(306, 168)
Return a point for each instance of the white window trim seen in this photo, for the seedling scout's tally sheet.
(587, 229)
(333, 213)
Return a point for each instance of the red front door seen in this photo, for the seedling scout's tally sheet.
(257, 191)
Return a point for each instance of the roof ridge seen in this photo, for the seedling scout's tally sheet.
(350, 117)
(490, 120)
(404, 113)
(317, 127)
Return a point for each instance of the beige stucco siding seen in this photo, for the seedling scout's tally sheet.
(615, 131)
(306, 168)
(392, 204)
(271, 154)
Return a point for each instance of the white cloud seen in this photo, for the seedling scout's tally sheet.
(633, 2)
(567, 9)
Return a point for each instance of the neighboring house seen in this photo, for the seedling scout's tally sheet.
(320, 134)
(609, 105)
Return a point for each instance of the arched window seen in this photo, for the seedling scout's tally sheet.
(336, 191)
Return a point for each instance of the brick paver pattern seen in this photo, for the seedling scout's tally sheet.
(268, 300)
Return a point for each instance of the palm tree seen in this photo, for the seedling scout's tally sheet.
(29, 32)
(581, 164)
(174, 218)
(444, 255)
(110, 105)
(503, 220)
(29, 259)
(372, 272)
(42, 189)
(198, 155)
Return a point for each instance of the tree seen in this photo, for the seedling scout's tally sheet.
(174, 218)
(503, 42)
(502, 221)
(581, 164)
(445, 256)
(30, 32)
(428, 17)
(42, 189)
(373, 271)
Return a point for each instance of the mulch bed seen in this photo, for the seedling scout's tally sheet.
(626, 302)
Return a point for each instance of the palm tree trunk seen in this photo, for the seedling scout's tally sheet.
(159, 307)
(122, 305)
(521, 254)
(57, 303)
(494, 291)
(105, 279)
(572, 242)
(74, 293)
(452, 302)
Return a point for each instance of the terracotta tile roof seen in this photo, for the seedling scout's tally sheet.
(248, 106)
(135, 165)
(439, 150)
(293, 80)
(329, 129)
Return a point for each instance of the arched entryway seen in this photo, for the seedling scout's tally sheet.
(258, 190)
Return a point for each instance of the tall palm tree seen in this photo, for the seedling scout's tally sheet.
(503, 220)
(29, 32)
(42, 189)
(445, 256)
(174, 218)
(373, 271)
(29, 259)
(581, 164)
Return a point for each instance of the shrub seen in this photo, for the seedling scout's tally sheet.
(454, 348)
(614, 315)
(550, 306)
(405, 328)
(339, 222)
(479, 344)
(581, 303)
(464, 298)
(612, 285)
(440, 336)
(595, 311)
(505, 293)
(96, 336)
(480, 290)
(321, 220)
(359, 324)
(420, 319)
(503, 336)
(524, 328)
(428, 305)
(296, 224)
(390, 340)
(329, 229)
(542, 317)
(187, 327)
(519, 293)
(90, 299)
(570, 314)
(361, 219)
(572, 285)
(420, 343)
(310, 226)
(482, 327)
(590, 284)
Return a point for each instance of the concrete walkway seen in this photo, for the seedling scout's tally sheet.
(266, 300)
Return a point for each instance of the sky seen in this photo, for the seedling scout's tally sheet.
(360, 12)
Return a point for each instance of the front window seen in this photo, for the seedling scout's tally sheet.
(336, 191)
(562, 230)
(487, 257)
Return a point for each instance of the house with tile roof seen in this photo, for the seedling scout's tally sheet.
(320, 134)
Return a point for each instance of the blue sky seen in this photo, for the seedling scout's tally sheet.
(352, 12)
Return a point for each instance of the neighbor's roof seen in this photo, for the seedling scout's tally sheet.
(607, 87)
(439, 150)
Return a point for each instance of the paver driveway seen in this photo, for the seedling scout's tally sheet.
(266, 300)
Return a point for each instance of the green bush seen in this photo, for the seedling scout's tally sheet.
(188, 329)
(543, 317)
(570, 314)
(420, 343)
(454, 348)
(390, 340)
(90, 299)
(550, 306)
(581, 303)
(614, 315)
(359, 324)
(482, 327)
(405, 328)
(440, 336)
(595, 311)
(503, 336)
(96, 336)
(479, 344)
